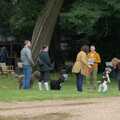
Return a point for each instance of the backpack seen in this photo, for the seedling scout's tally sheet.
(55, 85)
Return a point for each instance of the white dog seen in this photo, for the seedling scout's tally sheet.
(103, 84)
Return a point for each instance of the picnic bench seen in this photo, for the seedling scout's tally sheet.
(6, 69)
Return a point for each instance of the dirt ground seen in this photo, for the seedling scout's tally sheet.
(84, 109)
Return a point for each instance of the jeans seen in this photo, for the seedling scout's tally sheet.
(27, 71)
(79, 81)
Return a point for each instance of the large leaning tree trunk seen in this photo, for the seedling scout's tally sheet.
(44, 27)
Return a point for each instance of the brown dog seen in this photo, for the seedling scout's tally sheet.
(35, 76)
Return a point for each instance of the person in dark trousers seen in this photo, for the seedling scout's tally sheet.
(118, 78)
(81, 67)
(27, 61)
(45, 67)
(116, 66)
(3, 55)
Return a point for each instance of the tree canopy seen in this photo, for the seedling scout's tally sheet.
(19, 16)
(83, 14)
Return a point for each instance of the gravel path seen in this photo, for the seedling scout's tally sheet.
(84, 109)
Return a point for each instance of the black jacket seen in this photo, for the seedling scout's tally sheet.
(44, 62)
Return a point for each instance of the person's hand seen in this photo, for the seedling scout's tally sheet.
(33, 64)
(89, 70)
(89, 66)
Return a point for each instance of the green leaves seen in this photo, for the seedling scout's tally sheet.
(85, 13)
(19, 16)
(25, 16)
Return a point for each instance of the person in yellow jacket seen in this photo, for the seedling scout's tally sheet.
(93, 59)
(81, 67)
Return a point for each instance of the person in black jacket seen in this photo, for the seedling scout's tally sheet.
(45, 67)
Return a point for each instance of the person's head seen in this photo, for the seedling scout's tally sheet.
(85, 48)
(92, 48)
(115, 62)
(45, 48)
(27, 43)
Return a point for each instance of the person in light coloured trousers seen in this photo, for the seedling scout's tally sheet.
(93, 59)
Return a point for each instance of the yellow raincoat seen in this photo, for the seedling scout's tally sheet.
(96, 58)
(81, 64)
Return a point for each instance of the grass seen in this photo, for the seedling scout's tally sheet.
(9, 91)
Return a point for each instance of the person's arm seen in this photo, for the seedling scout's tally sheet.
(98, 59)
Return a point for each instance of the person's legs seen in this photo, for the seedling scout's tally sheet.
(46, 78)
(79, 82)
(29, 74)
(118, 78)
(90, 80)
(94, 78)
(40, 85)
(25, 77)
(119, 84)
(41, 80)
(27, 71)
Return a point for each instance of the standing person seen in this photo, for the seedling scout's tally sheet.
(94, 59)
(81, 67)
(116, 66)
(45, 67)
(3, 55)
(27, 61)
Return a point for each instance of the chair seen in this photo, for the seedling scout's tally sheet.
(5, 69)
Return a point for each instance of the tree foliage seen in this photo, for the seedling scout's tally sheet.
(5, 14)
(25, 15)
(20, 15)
(85, 13)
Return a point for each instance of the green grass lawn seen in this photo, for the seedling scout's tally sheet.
(9, 91)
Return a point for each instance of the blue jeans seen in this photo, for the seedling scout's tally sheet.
(79, 81)
(27, 71)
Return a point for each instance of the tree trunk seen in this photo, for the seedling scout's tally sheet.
(45, 24)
